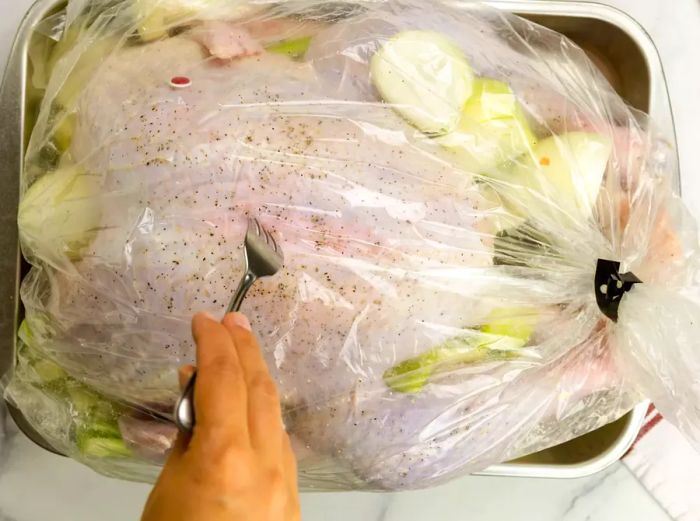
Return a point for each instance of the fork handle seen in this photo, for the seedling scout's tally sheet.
(246, 283)
(184, 410)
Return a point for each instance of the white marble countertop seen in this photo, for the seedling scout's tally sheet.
(37, 486)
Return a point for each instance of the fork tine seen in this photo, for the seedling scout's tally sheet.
(251, 226)
(268, 238)
(274, 243)
(258, 227)
(255, 227)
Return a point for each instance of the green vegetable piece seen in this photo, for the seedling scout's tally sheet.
(48, 371)
(560, 177)
(77, 56)
(410, 376)
(25, 333)
(427, 78)
(295, 48)
(59, 214)
(518, 323)
(104, 448)
(493, 128)
(152, 22)
(38, 326)
(521, 246)
(102, 429)
(462, 350)
(84, 400)
(63, 134)
(101, 439)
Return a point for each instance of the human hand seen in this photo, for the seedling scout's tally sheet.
(238, 464)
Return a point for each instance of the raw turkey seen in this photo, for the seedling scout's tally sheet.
(393, 249)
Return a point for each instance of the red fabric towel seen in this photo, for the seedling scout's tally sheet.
(668, 466)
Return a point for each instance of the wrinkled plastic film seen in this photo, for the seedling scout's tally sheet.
(442, 185)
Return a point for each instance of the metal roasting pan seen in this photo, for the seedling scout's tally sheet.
(618, 45)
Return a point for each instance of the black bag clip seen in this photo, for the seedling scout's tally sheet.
(611, 285)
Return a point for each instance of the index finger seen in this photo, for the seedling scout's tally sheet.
(265, 425)
(220, 393)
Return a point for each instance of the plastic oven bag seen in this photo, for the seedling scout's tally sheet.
(484, 254)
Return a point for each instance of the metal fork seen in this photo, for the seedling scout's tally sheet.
(263, 258)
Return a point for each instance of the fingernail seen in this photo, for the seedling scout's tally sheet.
(208, 315)
(241, 321)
